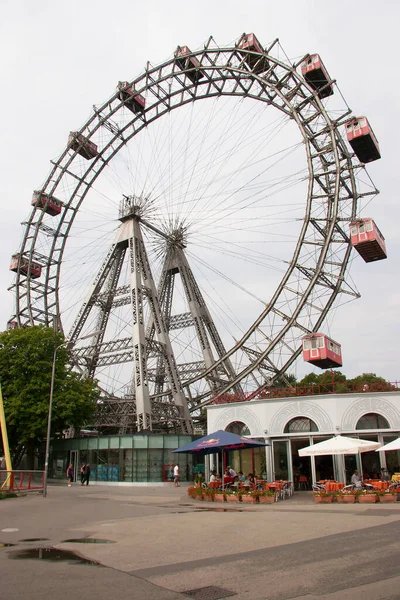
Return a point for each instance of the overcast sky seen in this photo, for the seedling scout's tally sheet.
(58, 59)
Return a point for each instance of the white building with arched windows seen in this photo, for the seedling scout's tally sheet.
(290, 424)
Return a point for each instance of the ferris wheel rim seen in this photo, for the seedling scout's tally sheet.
(232, 70)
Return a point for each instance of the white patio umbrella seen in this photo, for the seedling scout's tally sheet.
(339, 444)
(395, 445)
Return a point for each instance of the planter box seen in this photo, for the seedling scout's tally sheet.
(232, 498)
(266, 499)
(348, 499)
(219, 498)
(249, 499)
(367, 498)
(208, 498)
(323, 499)
(388, 498)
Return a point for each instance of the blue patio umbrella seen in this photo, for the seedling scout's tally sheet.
(218, 442)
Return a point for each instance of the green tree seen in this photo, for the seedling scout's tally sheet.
(26, 359)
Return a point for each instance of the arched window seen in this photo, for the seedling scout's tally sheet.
(372, 421)
(299, 425)
(238, 427)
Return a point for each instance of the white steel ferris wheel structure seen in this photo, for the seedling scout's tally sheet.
(153, 240)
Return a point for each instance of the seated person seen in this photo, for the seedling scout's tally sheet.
(251, 479)
(213, 476)
(356, 480)
(242, 478)
(230, 472)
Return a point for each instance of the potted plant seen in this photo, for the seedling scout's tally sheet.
(387, 496)
(266, 497)
(198, 493)
(219, 496)
(191, 491)
(323, 497)
(346, 497)
(251, 497)
(209, 494)
(198, 481)
(367, 497)
(232, 496)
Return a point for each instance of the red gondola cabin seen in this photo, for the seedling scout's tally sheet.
(368, 240)
(362, 139)
(82, 145)
(189, 64)
(12, 325)
(132, 100)
(35, 269)
(258, 64)
(321, 351)
(48, 204)
(314, 72)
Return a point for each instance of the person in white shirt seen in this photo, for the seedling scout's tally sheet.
(230, 472)
(356, 480)
(177, 475)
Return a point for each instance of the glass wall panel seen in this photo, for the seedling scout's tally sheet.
(114, 441)
(302, 475)
(126, 441)
(156, 464)
(127, 471)
(156, 441)
(281, 464)
(260, 463)
(140, 441)
(371, 461)
(103, 443)
(174, 441)
(92, 443)
(140, 467)
(246, 464)
(392, 457)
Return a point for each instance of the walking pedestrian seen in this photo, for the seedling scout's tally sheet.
(87, 473)
(82, 473)
(70, 475)
(177, 475)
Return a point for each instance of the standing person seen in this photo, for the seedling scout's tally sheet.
(70, 475)
(177, 475)
(87, 473)
(82, 472)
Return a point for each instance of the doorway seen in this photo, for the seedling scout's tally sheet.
(73, 459)
(302, 475)
(281, 460)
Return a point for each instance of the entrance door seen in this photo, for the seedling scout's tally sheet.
(73, 459)
(302, 475)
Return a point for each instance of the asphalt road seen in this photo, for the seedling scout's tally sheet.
(162, 545)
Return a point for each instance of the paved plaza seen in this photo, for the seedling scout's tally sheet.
(164, 545)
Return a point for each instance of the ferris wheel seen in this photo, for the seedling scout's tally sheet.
(186, 248)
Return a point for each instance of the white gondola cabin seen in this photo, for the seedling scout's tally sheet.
(48, 204)
(316, 75)
(321, 351)
(34, 269)
(189, 64)
(82, 145)
(368, 240)
(362, 139)
(132, 100)
(258, 64)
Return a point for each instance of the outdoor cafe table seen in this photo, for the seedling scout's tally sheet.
(334, 486)
(228, 480)
(377, 485)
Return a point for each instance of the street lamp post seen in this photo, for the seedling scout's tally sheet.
(68, 345)
(47, 451)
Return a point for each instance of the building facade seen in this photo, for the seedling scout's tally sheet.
(289, 424)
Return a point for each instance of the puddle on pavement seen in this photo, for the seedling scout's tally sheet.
(6, 545)
(51, 555)
(35, 540)
(87, 541)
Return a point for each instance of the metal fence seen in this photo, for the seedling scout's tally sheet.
(21, 481)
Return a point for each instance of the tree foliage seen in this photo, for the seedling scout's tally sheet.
(26, 360)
